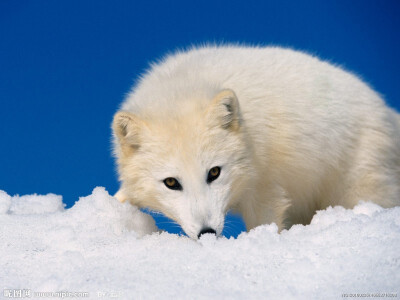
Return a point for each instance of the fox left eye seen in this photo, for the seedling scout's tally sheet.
(213, 174)
(172, 184)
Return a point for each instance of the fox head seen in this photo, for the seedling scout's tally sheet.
(192, 167)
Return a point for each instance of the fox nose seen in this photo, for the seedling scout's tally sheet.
(206, 230)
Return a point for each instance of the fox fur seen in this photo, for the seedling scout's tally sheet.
(291, 134)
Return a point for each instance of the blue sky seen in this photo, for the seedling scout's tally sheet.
(65, 66)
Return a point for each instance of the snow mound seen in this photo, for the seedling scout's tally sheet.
(30, 204)
(109, 249)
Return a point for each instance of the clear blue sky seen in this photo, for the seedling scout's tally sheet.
(66, 65)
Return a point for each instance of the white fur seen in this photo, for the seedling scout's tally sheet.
(293, 134)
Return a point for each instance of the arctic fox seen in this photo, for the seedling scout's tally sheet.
(270, 133)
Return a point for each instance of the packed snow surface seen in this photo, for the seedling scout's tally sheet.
(106, 249)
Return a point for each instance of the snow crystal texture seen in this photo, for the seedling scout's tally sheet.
(109, 249)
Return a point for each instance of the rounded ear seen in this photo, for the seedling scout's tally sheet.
(127, 127)
(224, 110)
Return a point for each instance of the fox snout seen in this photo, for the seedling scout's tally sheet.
(206, 230)
(196, 227)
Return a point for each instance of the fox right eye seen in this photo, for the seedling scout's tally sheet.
(172, 184)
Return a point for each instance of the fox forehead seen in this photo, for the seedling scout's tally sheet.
(182, 144)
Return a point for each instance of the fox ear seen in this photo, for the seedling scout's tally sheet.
(127, 127)
(224, 110)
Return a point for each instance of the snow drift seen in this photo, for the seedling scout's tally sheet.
(103, 248)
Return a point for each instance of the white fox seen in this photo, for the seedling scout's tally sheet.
(270, 133)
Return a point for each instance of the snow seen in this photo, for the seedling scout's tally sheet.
(105, 248)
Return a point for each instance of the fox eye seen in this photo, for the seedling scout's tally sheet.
(213, 174)
(172, 184)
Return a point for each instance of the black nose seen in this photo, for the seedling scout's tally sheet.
(206, 230)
